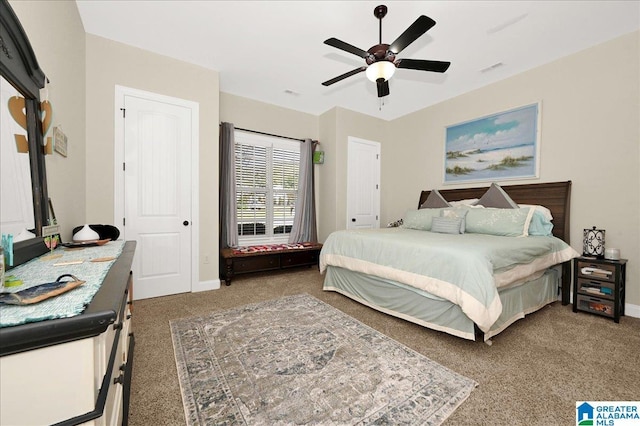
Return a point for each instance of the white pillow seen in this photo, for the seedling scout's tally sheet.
(469, 202)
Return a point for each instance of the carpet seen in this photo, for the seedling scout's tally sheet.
(298, 360)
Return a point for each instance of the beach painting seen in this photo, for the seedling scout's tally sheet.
(496, 147)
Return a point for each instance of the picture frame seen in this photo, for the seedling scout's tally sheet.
(496, 147)
(59, 141)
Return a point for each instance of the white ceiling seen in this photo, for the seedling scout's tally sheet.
(264, 50)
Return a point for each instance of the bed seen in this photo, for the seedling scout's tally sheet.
(470, 284)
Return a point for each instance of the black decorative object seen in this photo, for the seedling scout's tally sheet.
(593, 243)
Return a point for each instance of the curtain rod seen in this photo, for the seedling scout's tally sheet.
(268, 134)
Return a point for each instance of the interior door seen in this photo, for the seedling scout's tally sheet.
(363, 184)
(157, 194)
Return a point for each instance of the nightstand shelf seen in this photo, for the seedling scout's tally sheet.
(599, 286)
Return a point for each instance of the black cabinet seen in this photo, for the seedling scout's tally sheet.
(599, 286)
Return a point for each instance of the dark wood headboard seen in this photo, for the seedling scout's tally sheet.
(556, 196)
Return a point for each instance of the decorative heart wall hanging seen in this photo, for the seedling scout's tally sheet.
(17, 109)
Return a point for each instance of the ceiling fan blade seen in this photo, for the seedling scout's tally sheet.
(415, 30)
(346, 47)
(343, 76)
(383, 87)
(423, 65)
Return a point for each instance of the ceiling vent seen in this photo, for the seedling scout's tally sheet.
(492, 67)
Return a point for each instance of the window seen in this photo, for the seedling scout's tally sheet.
(267, 170)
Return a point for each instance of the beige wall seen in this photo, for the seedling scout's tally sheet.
(255, 115)
(326, 176)
(349, 123)
(336, 126)
(109, 64)
(57, 37)
(590, 134)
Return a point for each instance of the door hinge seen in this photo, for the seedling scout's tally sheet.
(377, 156)
(376, 217)
(376, 186)
(124, 167)
(124, 112)
(124, 220)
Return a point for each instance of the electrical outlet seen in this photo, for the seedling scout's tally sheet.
(206, 258)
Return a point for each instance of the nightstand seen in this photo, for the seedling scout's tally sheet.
(599, 286)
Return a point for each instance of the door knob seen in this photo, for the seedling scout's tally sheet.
(185, 223)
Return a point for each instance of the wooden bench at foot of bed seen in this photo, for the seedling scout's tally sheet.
(234, 262)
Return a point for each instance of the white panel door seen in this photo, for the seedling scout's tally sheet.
(363, 184)
(157, 186)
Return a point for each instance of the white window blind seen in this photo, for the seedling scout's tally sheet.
(267, 170)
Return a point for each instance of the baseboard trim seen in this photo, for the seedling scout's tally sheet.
(206, 286)
(632, 310)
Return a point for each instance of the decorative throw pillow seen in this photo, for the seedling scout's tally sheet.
(504, 222)
(540, 225)
(446, 225)
(420, 219)
(542, 209)
(497, 198)
(435, 200)
(457, 213)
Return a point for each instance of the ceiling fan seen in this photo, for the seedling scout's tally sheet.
(381, 59)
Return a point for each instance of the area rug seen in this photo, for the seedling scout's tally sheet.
(297, 360)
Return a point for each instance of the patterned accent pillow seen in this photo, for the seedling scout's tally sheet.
(446, 225)
(504, 222)
(497, 198)
(457, 213)
(420, 219)
(435, 200)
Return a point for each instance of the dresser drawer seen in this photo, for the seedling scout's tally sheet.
(257, 263)
(307, 257)
(596, 305)
(596, 288)
(597, 271)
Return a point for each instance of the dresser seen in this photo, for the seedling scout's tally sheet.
(77, 370)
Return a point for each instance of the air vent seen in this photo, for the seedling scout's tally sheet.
(492, 67)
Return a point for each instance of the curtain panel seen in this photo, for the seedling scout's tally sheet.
(304, 222)
(228, 206)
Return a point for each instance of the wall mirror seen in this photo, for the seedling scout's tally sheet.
(26, 176)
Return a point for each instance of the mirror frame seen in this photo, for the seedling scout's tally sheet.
(20, 68)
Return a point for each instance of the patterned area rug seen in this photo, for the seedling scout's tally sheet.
(297, 360)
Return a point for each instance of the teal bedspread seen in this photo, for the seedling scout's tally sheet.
(466, 269)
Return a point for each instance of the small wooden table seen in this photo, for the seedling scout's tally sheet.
(232, 263)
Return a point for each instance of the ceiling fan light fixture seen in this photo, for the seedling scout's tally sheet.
(380, 69)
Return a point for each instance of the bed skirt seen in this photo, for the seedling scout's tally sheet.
(430, 311)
